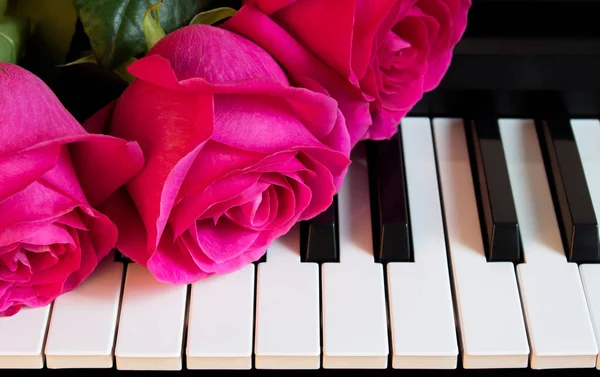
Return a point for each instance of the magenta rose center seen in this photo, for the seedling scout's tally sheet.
(47, 255)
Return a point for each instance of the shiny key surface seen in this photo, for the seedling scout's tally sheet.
(489, 313)
(319, 236)
(574, 210)
(287, 308)
(22, 338)
(151, 323)
(587, 137)
(389, 204)
(558, 322)
(83, 324)
(500, 229)
(419, 294)
(220, 321)
(353, 297)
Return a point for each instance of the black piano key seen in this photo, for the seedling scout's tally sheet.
(500, 228)
(262, 259)
(119, 257)
(319, 236)
(571, 196)
(389, 201)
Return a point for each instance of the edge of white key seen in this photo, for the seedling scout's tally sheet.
(108, 275)
(587, 136)
(590, 275)
(482, 289)
(423, 328)
(283, 259)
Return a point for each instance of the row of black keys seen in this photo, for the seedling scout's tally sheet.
(390, 217)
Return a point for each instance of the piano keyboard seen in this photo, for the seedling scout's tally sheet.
(471, 245)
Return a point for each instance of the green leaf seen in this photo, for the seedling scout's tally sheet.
(114, 26)
(13, 34)
(120, 70)
(86, 59)
(11, 50)
(152, 29)
(211, 17)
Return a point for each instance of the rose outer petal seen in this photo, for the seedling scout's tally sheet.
(30, 113)
(303, 66)
(171, 128)
(330, 21)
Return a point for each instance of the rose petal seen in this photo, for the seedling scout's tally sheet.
(331, 29)
(173, 264)
(274, 127)
(20, 170)
(104, 164)
(48, 235)
(225, 240)
(270, 6)
(368, 19)
(240, 188)
(301, 64)
(171, 128)
(212, 47)
(208, 265)
(46, 119)
(132, 237)
(35, 204)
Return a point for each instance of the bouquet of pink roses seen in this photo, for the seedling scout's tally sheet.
(234, 126)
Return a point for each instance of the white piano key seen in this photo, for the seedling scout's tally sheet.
(353, 298)
(587, 137)
(221, 318)
(489, 313)
(420, 298)
(590, 275)
(559, 325)
(150, 333)
(22, 339)
(287, 308)
(83, 323)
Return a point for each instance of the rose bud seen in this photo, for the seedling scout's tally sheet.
(385, 52)
(235, 156)
(52, 175)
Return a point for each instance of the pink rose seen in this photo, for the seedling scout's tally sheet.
(235, 156)
(52, 173)
(385, 53)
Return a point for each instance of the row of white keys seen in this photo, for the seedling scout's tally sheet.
(287, 308)
(353, 298)
(78, 334)
(420, 298)
(587, 137)
(558, 323)
(489, 311)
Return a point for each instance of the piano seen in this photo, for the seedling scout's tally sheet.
(467, 243)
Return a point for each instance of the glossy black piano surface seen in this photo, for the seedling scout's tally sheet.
(536, 59)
